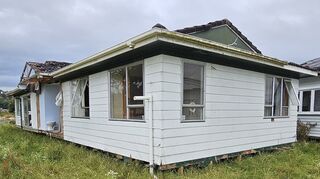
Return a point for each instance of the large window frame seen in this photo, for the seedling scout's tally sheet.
(128, 106)
(200, 106)
(283, 87)
(84, 98)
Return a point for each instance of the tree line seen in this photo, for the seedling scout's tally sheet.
(6, 102)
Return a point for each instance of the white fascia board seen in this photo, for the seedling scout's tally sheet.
(300, 70)
(180, 39)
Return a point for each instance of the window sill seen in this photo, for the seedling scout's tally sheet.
(275, 117)
(72, 117)
(191, 121)
(128, 120)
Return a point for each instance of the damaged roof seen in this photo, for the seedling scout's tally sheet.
(205, 27)
(48, 66)
(312, 64)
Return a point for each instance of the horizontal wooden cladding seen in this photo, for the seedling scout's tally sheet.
(212, 129)
(217, 98)
(105, 147)
(221, 136)
(231, 83)
(230, 73)
(314, 131)
(179, 149)
(168, 77)
(160, 86)
(163, 68)
(198, 154)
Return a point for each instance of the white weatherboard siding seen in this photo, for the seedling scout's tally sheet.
(311, 117)
(234, 105)
(126, 138)
(234, 115)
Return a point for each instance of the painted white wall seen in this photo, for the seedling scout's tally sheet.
(310, 117)
(234, 105)
(48, 110)
(126, 138)
(234, 114)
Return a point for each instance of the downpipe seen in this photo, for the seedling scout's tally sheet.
(149, 101)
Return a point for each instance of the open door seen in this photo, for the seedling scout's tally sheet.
(27, 111)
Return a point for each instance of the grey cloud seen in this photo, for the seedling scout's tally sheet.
(71, 30)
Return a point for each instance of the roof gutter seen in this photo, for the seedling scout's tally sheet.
(181, 39)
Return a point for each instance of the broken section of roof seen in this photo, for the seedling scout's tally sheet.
(312, 64)
(35, 73)
(222, 31)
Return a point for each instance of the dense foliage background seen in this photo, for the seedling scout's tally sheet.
(6, 102)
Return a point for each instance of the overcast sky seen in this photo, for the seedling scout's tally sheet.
(70, 30)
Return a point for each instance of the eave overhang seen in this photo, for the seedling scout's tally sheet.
(161, 41)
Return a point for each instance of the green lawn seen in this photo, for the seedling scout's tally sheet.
(27, 155)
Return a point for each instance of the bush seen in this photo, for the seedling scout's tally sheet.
(303, 130)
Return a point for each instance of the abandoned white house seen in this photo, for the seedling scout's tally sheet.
(35, 97)
(167, 97)
(309, 94)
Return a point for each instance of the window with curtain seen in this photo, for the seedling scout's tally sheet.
(80, 97)
(125, 83)
(192, 108)
(276, 97)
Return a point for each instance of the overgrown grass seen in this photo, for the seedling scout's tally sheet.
(27, 155)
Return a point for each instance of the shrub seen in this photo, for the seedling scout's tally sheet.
(303, 130)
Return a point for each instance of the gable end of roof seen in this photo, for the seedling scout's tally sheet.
(205, 27)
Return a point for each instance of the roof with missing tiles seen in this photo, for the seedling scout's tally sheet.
(210, 25)
(48, 66)
(312, 64)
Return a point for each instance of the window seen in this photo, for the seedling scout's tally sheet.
(80, 97)
(18, 106)
(192, 108)
(125, 83)
(316, 100)
(306, 101)
(276, 97)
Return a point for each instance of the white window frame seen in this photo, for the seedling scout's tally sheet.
(183, 120)
(18, 106)
(312, 98)
(82, 97)
(128, 106)
(283, 82)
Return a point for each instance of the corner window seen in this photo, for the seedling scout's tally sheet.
(80, 97)
(125, 83)
(306, 101)
(276, 97)
(192, 108)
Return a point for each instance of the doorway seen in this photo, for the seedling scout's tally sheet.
(27, 111)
